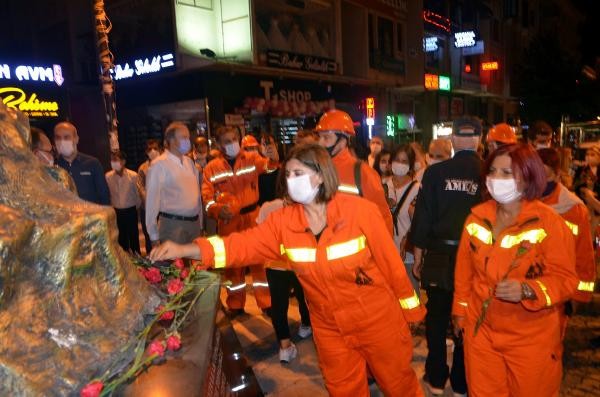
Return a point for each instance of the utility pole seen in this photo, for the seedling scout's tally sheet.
(103, 27)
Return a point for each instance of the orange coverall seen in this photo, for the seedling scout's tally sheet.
(241, 181)
(516, 351)
(372, 187)
(359, 296)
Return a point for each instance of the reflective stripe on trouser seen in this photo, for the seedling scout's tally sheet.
(236, 298)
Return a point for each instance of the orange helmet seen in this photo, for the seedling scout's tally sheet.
(336, 121)
(502, 133)
(230, 200)
(249, 141)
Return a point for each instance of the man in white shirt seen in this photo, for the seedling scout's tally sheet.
(153, 150)
(173, 201)
(125, 198)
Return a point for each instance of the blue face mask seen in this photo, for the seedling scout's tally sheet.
(184, 146)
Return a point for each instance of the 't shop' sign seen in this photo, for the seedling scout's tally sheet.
(143, 66)
(29, 102)
(51, 74)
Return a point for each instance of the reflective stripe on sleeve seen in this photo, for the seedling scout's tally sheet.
(533, 236)
(222, 175)
(573, 227)
(347, 248)
(464, 304)
(219, 248)
(410, 303)
(352, 189)
(545, 291)
(210, 204)
(259, 284)
(236, 287)
(586, 286)
(480, 232)
(246, 170)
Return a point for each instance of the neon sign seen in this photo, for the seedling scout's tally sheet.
(32, 73)
(432, 81)
(389, 125)
(143, 66)
(430, 44)
(370, 102)
(444, 83)
(437, 20)
(31, 105)
(489, 65)
(464, 39)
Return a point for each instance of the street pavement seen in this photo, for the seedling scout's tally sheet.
(302, 376)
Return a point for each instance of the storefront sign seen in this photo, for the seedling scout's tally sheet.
(464, 39)
(307, 63)
(489, 66)
(444, 82)
(437, 20)
(430, 44)
(370, 105)
(432, 81)
(389, 125)
(32, 73)
(143, 66)
(28, 102)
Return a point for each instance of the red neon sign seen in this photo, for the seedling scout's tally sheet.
(489, 65)
(370, 102)
(437, 20)
(432, 81)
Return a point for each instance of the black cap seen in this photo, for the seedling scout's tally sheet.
(466, 126)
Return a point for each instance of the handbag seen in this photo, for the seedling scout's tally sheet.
(438, 270)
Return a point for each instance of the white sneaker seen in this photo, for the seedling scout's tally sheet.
(288, 354)
(304, 331)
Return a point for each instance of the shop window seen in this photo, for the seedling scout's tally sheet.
(399, 37)
(385, 36)
(205, 4)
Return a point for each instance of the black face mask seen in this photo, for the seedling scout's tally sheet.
(550, 186)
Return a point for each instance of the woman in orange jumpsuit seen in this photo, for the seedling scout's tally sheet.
(514, 269)
(359, 296)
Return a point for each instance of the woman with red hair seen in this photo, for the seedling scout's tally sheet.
(515, 267)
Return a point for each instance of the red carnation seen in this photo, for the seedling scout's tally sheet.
(173, 342)
(178, 263)
(168, 315)
(153, 275)
(156, 348)
(92, 389)
(174, 286)
(184, 273)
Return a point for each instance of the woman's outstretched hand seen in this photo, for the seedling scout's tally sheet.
(170, 250)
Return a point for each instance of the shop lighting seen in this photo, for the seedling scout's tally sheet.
(444, 83)
(489, 66)
(432, 81)
(430, 44)
(464, 39)
(437, 20)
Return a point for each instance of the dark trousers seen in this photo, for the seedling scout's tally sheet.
(145, 231)
(127, 222)
(439, 309)
(280, 284)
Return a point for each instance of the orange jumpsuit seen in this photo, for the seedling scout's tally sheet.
(372, 187)
(241, 181)
(359, 296)
(516, 351)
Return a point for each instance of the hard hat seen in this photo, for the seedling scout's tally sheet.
(249, 141)
(336, 121)
(230, 200)
(502, 133)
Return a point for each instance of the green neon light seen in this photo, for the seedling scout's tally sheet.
(444, 83)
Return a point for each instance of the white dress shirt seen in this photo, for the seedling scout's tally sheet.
(123, 189)
(173, 187)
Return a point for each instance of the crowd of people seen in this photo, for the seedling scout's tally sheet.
(498, 243)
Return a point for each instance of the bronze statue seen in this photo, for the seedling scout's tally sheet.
(70, 298)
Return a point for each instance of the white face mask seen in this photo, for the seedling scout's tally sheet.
(65, 148)
(152, 154)
(45, 158)
(503, 190)
(399, 169)
(300, 189)
(232, 149)
(116, 165)
(542, 145)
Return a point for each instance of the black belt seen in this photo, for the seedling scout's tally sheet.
(248, 209)
(179, 217)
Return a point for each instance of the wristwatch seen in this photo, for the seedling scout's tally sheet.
(527, 292)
